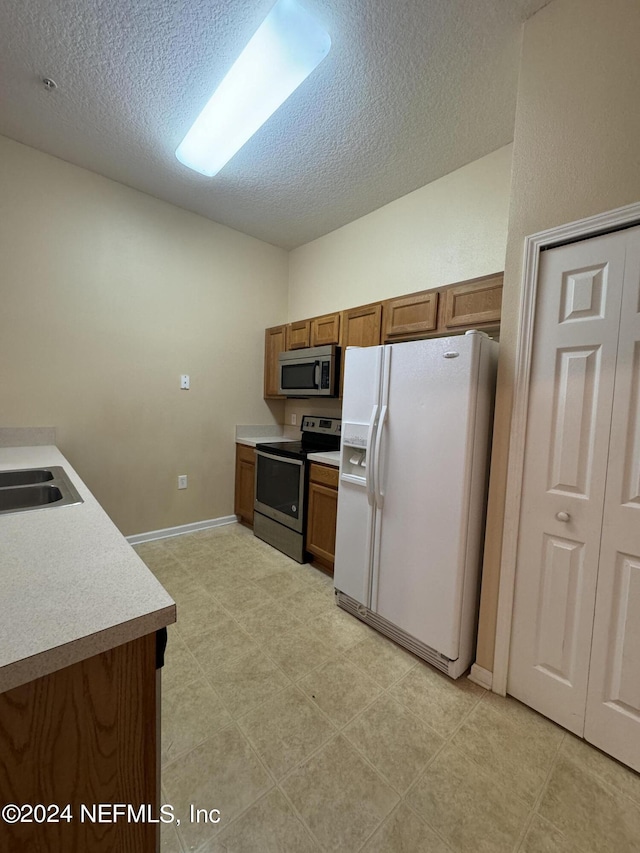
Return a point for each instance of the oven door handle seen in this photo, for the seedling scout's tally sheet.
(280, 458)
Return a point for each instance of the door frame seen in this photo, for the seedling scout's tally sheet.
(592, 226)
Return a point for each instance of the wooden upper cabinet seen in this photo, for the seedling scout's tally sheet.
(362, 327)
(299, 334)
(325, 330)
(473, 304)
(275, 342)
(411, 317)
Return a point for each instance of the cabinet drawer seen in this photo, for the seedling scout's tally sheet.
(246, 454)
(324, 474)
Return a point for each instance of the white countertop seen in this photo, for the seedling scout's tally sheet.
(330, 457)
(263, 439)
(71, 585)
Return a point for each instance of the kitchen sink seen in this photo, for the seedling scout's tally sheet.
(36, 488)
(26, 477)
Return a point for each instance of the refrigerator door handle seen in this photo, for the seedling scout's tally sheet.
(370, 443)
(378, 475)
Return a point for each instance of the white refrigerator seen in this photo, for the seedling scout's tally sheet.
(416, 427)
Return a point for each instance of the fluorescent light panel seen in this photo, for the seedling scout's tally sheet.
(285, 49)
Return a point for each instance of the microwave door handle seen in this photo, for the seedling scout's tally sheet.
(316, 375)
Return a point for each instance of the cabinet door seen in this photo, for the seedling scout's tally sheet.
(411, 317)
(613, 701)
(472, 305)
(362, 327)
(325, 330)
(299, 334)
(275, 342)
(245, 483)
(323, 511)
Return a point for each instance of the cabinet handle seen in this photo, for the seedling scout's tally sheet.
(563, 516)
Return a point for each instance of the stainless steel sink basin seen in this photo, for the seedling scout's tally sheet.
(36, 488)
(25, 477)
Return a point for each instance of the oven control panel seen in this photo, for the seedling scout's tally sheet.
(324, 426)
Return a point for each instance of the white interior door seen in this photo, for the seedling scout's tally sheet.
(613, 702)
(571, 394)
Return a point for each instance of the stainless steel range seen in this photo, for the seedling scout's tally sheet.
(281, 484)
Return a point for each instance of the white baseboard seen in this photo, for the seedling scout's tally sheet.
(480, 675)
(181, 529)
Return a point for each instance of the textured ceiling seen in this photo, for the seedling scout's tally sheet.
(411, 90)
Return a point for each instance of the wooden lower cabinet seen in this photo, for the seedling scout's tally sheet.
(322, 512)
(85, 734)
(245, 483)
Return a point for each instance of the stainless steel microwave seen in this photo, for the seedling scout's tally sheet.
(312, 372)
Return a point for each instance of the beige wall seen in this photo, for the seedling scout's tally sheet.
(106, 296)
(450, 230)
(576, 153)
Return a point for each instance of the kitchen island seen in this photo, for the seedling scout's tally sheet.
(78, 684)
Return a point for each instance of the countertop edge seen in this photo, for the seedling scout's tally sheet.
(326, 458)
(29, 669)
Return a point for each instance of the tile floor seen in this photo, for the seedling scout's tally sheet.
(310, 732)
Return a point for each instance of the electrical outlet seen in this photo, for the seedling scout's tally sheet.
(182, 481)
(294, 420)
(184, 382)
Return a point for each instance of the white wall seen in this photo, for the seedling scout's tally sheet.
(450, 230)
(106, 296)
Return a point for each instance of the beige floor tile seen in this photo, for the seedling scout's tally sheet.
(224, 641)
(197, 611)
(310, 603)
(340, 630)
(270, 826)
(180, 666)
(221, 773)
(245, 682)
(381, 659)
(281, 584)
(506, 736)
(183, 585)
(588, 813)
(397, 743)
(542, 837)
(270, 619)
(297, 652)
(435, 698)
(285, 730)
(186, 546)
(240, 599)
(169, 841)
(608, 769)
(162, 563)
(403, 832)
(340, 798)
(468, 806)
(190, 713)
(339, 689)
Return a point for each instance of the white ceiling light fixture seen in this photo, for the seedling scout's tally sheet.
(285, 49)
